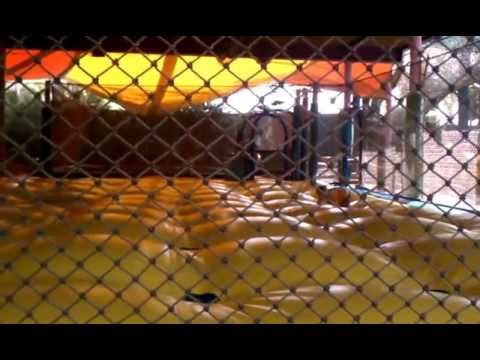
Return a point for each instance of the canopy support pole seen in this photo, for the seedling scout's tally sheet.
(313, 161)
(46, 129)
(385, 142)
(354, 128)
(169, 63)
(413, 139)
(346, 132)
(305, 151)
(388, 133)
(361, 139)
(464, 115)
(296, 154)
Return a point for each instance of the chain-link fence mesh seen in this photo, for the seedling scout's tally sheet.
(240, 180)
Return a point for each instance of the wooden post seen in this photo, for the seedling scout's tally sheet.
(413, 136)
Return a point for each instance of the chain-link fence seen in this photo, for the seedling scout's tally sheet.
(240, 179)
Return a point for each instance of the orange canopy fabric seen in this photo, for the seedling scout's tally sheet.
(142, 82)
(151, 83)
(37, 64)
(367, 78)
(147, 83)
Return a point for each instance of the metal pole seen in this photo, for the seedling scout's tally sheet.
(305, 99)
(413, 138)
(388, 133)
(304, 141)
(313, 161)
(297, 143)
(463, 108)
(361, 140)
(354, 128)
(345, 170)
(385, 143)
(46, 130)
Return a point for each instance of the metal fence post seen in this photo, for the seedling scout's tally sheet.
(297, 142)
(385, 142)
(313, 161)
(345, 169)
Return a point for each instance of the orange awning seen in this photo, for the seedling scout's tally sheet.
(37, 64)
(367, 78)
(146, 83)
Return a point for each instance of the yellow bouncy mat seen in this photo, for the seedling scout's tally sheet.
(194, 251)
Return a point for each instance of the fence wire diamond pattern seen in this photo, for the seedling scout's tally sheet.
(240, 180)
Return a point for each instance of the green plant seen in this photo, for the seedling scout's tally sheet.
(23, 117)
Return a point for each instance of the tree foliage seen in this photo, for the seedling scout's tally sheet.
(23, 109)
(451, 63)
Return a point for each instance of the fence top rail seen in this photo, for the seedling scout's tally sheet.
(367, 48)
